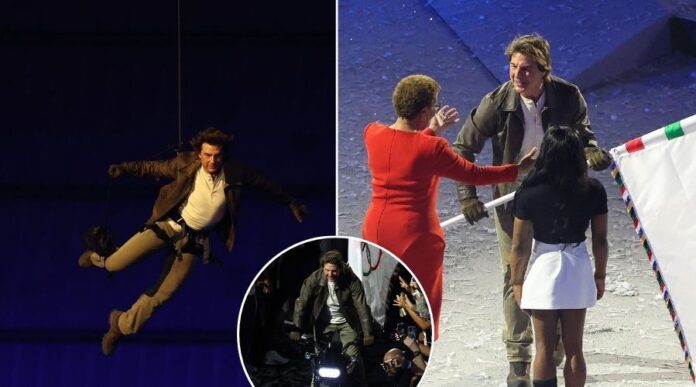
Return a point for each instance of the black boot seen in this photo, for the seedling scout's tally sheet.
(99, 240)
(546, 383)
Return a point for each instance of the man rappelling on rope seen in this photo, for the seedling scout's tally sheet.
(203, 197)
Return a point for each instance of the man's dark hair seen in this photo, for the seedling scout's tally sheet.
(534, 46)
(212, 136)
(333, 257)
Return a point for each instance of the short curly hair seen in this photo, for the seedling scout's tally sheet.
(212, 136)
(413, 93)
(534, 46)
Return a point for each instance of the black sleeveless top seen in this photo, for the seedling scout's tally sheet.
(540, 204)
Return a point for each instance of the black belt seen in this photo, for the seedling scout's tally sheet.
(175, 215)
(193, 246)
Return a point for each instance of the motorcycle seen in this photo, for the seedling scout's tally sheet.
(330, 365)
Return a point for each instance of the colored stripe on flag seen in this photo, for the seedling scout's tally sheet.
(674, 130)
(635, 145)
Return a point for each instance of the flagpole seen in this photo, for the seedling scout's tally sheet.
(492, 204)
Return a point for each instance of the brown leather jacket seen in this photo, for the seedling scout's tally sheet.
(499, 117)
(182, 169)
(349, 291)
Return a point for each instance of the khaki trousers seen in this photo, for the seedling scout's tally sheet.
(517, 331)
(349, 343)
(175, 271)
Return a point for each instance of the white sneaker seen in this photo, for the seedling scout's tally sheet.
(274, 358)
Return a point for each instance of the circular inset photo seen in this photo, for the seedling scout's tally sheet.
(334, 311)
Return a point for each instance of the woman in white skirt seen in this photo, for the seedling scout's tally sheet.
(552, 275)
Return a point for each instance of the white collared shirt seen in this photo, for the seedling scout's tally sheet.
(205, 206)
(533, 128)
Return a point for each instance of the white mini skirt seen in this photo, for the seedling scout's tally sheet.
(559, 276)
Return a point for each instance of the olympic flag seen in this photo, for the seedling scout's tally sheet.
(374, 267)
(656, 175)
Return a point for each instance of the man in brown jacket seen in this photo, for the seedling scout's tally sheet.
(336, 299)
(514, 118)
(203, 196)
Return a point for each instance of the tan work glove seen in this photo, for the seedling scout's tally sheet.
(368, 340)
(299, 210)
(473, 210)
(115, 170)
(597, 158)
(295, 336)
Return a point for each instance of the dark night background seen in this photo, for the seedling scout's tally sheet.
(85, 84)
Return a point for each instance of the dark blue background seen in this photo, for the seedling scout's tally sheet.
(86, 84)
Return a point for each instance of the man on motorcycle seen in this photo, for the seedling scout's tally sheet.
(337, 300)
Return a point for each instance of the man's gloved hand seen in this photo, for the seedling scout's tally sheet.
(597, 158)
(473, 210)
(115, 170)
(299, 210)
(295, 335)
(368, 340)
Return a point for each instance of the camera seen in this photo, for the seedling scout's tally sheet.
(400, 332)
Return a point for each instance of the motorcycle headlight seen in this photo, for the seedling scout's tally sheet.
(329, 372)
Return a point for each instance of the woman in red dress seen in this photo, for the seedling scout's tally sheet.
(406, 160)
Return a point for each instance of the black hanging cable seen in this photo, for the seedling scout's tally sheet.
(180, 144)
